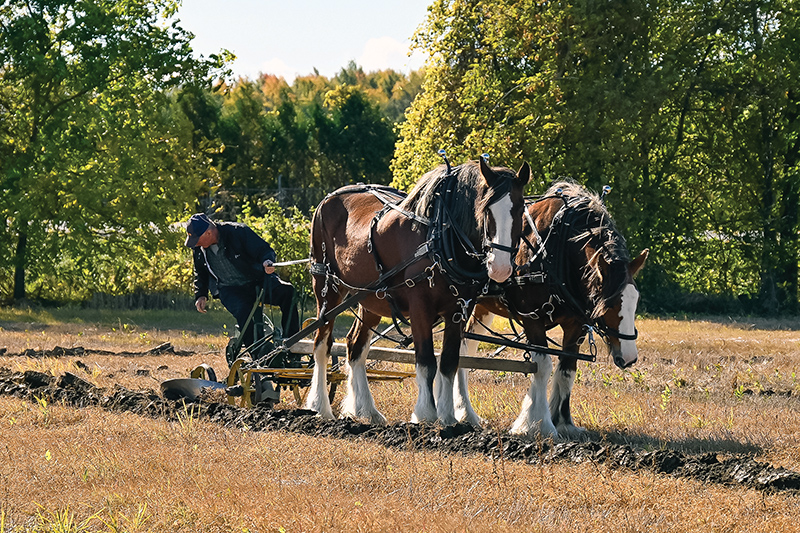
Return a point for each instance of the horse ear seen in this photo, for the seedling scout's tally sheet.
(597, 261)
(488, 174)
(602, 265)
(637, 264)
(524, 173)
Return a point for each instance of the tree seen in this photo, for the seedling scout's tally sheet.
(686, 108)
(89, 154)
(354, 137)
(304, 140)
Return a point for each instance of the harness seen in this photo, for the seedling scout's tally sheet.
(546, 265)
(446, 246)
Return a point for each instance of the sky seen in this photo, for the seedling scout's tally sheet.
(290, 38)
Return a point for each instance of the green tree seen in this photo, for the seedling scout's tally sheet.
(686, 108)
(299, 142)
(90, 158)
(354, 137)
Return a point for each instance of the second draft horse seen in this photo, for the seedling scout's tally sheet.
(421, 257)
(575, 272)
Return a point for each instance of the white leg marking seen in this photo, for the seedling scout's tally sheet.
(498, 262)
(317, 399)
(358, 402)
(534, 417)
(630, 299)
(462, 405)
(443, 389)
(425, 410)
(561, 390)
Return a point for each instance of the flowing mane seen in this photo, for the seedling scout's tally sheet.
(470, 191)
(596, 233)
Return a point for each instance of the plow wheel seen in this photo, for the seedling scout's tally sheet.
(300, 397)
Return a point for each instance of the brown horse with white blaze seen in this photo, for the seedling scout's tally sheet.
(575, 272)
(420, 257)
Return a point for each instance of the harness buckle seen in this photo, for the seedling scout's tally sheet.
(590, 340)
(430, 274)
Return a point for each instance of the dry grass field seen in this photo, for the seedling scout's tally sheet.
(704, 385)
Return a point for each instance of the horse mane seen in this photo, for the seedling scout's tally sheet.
(595, 230)
(470, 192)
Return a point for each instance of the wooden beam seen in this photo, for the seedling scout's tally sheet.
(407, 356)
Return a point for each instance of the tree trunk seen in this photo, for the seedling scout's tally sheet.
(790, 246)
(19, 266)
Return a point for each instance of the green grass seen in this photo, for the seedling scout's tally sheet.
(214, 320)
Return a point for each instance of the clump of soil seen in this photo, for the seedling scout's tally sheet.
(58, 351)
(740, 470)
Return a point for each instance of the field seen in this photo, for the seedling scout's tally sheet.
(714, 388)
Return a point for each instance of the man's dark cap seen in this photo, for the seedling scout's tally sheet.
(197, 225)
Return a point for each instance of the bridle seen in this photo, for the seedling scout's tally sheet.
(552, 261)
(445, 235)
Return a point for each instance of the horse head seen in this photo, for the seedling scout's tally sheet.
(616, 311)
(502, 220)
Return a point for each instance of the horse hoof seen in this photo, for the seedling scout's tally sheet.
(576, 433)
(374, 417)
(535, 431)
(472, 419)
(377, 419)
(448, 421)
(326, 415)
(418, 419)
(568, 431)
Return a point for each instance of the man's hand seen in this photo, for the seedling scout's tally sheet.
(200, 304)
(268, 268)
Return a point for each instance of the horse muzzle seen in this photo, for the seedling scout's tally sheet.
(499, 271)
(625, 355)
(623, 363)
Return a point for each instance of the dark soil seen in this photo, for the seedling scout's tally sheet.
(741, 470)
(58, 351)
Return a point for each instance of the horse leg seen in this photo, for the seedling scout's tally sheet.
(318, 399)
(462, 405)
(358, 402)
(534, 417)
(561, 390)
(448, 366)
(422, 332)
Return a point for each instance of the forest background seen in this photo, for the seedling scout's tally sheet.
(113, 131)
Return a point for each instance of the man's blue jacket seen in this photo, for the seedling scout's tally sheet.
(243, 247)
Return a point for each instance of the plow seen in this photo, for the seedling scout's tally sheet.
(257, 373)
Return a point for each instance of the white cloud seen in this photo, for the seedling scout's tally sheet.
(277, 67)
(386, 52)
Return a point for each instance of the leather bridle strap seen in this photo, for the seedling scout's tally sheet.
(604, 329)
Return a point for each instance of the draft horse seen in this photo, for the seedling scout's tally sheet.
(575, 272)
(419, 257)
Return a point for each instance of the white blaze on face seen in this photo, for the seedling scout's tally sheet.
(498, 262)
(630, 298)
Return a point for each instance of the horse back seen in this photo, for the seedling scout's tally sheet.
(342, 235)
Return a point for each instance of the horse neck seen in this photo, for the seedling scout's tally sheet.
(466, 208)
(566, 261)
